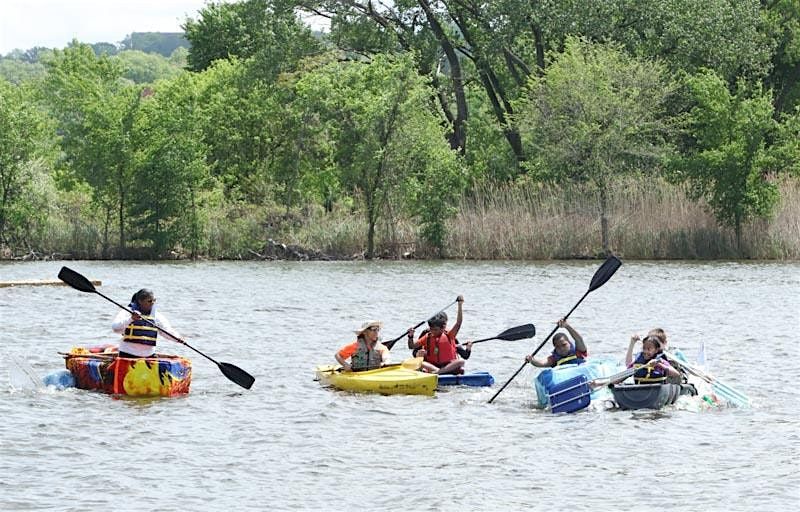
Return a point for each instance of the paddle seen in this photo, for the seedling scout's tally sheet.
(412, 363)
(520, 332)
(389, 344)
(233, 373)
(601, 276)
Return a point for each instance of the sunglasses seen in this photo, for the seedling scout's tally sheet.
(373, 329)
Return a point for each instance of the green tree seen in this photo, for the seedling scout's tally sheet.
(268, 31)
(162, 43)
(784, 78)
(596, 114)
(171, 178)
(387, 146)
(26, 144)
(242, 113)
(95, 110)
(728, 156)
(146, 68)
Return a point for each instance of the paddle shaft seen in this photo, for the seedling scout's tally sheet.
(174, 338)
(600, 277)
(537, 349)
(389, 344)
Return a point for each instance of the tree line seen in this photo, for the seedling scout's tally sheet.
(400, 109)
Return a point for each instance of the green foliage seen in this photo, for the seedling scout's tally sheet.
(26, 151)
(170, 178)
(385, 142)
(95, 110)
(18, 71)
(783, 21)
(145, 68)
(266, 30)
(162, 43)
(595, 115)
(729, 159)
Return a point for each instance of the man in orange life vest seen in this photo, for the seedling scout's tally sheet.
(564, 351)
(439, 346)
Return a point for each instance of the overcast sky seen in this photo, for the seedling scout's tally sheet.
(54, 23)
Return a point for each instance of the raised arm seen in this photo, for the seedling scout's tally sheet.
(579, 343)
(459, 317)
(629, 353)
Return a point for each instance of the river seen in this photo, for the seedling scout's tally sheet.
(289, 444)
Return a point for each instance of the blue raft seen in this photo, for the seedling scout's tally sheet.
(476, 379)
(552, 380)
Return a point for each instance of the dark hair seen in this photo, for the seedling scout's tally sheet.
(438, 320)
(142, 294)
(558, 336)
(654, 340)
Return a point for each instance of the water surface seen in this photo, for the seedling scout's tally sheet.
(289, 444)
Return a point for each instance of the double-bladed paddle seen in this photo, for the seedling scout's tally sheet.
(519, 332)
(80, 283)
(601, 276)
(389, 344)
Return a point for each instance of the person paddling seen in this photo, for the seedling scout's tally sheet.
(651, 368)
(564, 350)
(139, 335)
(439, 346)
(366, 353)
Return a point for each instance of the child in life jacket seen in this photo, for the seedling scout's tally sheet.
(564, 351)
(439, 346)
(651, 367)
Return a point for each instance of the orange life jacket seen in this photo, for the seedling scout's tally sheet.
(440, 351)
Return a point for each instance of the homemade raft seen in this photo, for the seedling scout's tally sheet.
(162, 375)
(649, 396)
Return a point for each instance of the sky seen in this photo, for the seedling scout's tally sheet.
(54, 23)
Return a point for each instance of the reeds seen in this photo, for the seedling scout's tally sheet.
(648, 219)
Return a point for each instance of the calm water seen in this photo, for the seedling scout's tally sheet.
(290, 444)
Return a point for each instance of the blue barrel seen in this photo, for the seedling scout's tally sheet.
(61, 379)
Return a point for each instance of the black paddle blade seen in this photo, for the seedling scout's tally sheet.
(76, 280)
(605, 272)
(520, 332)
(237, 375)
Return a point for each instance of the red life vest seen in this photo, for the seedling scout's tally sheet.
(440, 351)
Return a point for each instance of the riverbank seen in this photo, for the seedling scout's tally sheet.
(648, 219)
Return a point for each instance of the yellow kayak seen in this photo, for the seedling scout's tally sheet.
(389, 380)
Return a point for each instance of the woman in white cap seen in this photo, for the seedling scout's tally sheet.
(366, 353)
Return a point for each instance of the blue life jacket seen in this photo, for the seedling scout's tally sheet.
(141, 331)
(570, 358)
(647, 375)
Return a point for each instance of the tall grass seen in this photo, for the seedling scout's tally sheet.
(648, 219)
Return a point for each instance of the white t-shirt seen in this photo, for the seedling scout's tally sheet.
(123, 319)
